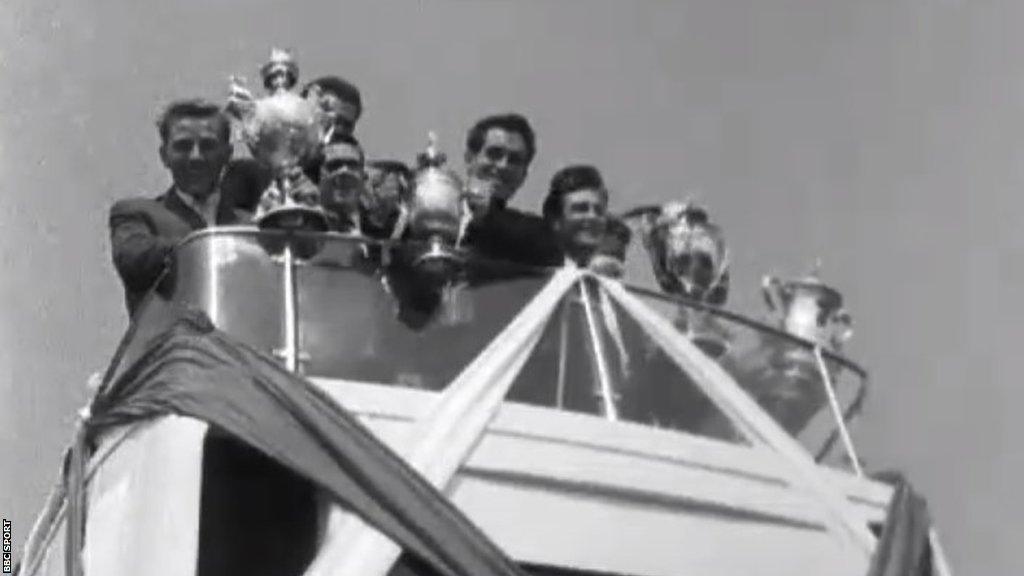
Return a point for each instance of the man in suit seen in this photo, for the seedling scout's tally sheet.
(389, 186)
(340, 99)
(195, 146)
(577, 210)
(499, 150)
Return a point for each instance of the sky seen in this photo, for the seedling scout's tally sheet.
(884, 137)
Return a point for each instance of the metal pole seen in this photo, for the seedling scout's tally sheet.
(603, 374)
(563, 353)
(291, 320)
(837, 413)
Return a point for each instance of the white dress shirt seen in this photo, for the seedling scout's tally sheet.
(206, 209)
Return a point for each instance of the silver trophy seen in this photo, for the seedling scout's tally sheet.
(690, 259)
(436, 213)
(688, 252)
(810, 310)
(283, 131)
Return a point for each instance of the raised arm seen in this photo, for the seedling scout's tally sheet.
(142, 235)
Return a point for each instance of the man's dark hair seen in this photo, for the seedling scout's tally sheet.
(343, 89)
(342, 138)
(393, 167)
(402, 170)
(192, 108)
(312, 166)
(510, 122)
(570, 179)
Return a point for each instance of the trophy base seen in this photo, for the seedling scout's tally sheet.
(293, 219)
(439, 261)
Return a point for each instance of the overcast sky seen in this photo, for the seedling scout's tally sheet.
(885, 136)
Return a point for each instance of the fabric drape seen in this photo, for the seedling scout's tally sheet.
(195, 370)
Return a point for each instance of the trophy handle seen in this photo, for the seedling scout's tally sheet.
(770, 287)
(645, 216)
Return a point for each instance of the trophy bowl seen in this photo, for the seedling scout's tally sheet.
(436, 214)
(283, 131)
(688, 253)
(812, 311)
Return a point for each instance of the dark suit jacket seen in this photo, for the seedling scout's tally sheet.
(245, 180)
(144, 231)
(509, 235)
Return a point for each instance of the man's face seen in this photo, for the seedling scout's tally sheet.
(388, 185)
(499, 168)
(386, 189)
(584, 218)
(196, 151)
(341, 177)
(344, 113)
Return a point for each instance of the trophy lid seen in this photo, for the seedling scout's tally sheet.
(281, 62)
(430, 166)
(687, 211)
(811, 282)
(431, 157)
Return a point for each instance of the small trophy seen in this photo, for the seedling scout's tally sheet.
(436, 212)
(283, 132)
(811, 310)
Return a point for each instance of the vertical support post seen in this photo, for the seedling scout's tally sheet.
(606, 392)
(291, 319)
(837, 413)
(212, 289)
(563, 354)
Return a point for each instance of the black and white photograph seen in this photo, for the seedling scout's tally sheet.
(511, 287)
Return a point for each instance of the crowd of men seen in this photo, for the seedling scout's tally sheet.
(369, 198)
(211, 188)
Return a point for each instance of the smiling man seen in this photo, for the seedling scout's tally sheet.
(342, 178)
(340, 99)
(195, 146)
(499, 150)
(577, 209)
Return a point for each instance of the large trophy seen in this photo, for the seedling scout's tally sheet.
(794, 381)
(437, 214)
(810, 310)
(430, 285)
(689, 259)
(687, 251)
(283, 131)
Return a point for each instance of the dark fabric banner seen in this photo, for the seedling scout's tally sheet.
(175, 362)
(903, 548)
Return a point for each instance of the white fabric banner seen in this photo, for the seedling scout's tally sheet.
(751, 420)
(445, 437)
